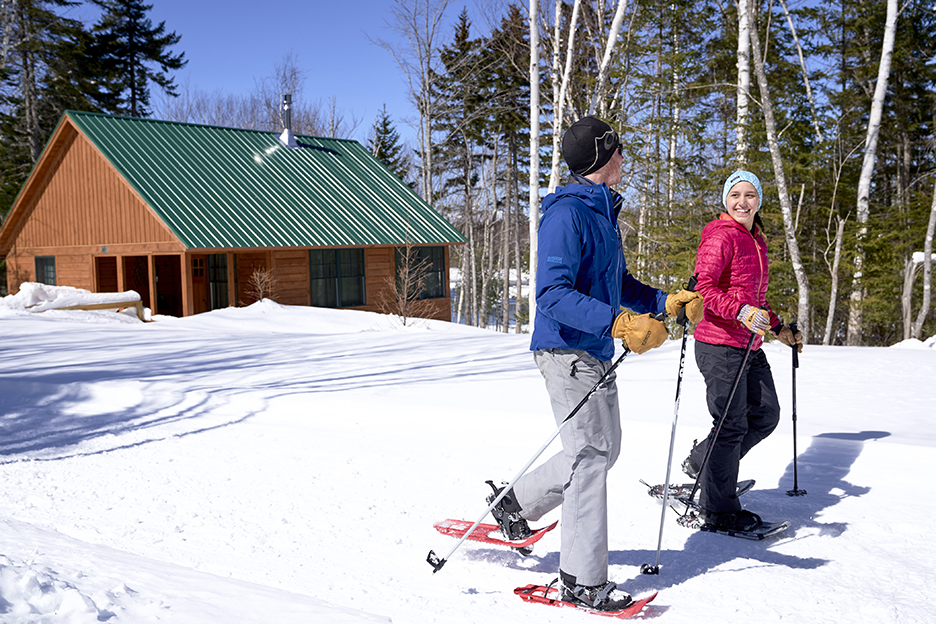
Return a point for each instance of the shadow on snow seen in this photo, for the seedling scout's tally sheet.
(822, 469)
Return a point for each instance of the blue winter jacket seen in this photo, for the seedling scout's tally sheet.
(581, 276)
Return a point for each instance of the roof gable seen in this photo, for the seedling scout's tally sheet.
(218, 187)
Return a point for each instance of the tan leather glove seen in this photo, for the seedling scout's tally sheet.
(787, 337)
(692, 301)
(640, 333)
(754, 319)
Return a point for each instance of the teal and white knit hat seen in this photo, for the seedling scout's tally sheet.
(742, 176)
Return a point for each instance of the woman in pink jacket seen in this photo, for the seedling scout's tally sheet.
(731, 266)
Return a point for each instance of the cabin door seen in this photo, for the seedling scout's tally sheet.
(200, 283)
(168, 285)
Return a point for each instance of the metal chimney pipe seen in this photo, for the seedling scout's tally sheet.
(287, 111)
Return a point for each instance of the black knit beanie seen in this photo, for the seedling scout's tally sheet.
(588, 144)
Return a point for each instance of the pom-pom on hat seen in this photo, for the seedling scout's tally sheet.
(588, 145)
(742, 176)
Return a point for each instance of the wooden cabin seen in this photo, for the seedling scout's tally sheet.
(184, 214)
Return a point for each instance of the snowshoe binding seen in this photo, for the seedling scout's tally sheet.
(507, 514)
(605, 597)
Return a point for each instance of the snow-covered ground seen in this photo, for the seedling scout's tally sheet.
(285, 464)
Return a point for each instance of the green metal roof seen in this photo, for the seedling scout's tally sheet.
(225, 187)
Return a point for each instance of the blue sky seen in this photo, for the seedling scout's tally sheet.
(231, 43)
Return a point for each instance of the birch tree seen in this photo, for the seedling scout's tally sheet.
(534, 156)
(744, 82)
(417, 22)
(927, 271)
(834, 272)
(802, 60)
(563, 79)
(599, 95)
(802, 281)
(867, 170)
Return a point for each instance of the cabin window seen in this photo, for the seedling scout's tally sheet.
(430, 261)
(45, 270)
(218, 281)
(336, 277)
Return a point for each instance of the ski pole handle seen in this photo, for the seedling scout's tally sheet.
(795, 350)
(681, 317)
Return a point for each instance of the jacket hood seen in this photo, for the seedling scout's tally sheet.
(595, 196)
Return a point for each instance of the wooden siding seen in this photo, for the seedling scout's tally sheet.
(247, 263)
(380, 265)
(80, 200)
(291, 268)
(378, 271)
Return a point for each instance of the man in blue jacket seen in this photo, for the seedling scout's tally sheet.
(582, 284)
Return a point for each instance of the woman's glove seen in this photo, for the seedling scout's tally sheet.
(789, 338)
(754, 319)
(688, 299)
(640, 333)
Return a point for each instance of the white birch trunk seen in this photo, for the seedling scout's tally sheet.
(744, 82)
(472, 237)
(856, 298)
(833, 295)
(674, 131)
(534, 160)
(560, 103)
(505, 241)
(799, 51)
(802, 281)
(927, 271)
(416, 22)
(598, 95)
(906, 297)
(488, 182)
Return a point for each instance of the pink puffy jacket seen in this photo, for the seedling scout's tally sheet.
(732, 267)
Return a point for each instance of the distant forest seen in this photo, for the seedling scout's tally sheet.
(832, 104)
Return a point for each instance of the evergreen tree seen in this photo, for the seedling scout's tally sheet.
(385, 145)
(48, 68)
(464, 90)
(136, 54)
(509, 49)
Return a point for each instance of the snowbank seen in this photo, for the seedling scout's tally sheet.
(34, 297)
(285, 464)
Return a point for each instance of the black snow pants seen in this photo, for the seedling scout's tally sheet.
(753, 415)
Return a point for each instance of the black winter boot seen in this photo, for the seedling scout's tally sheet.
(742, 520)
(690, 467)
(604, 597)
(507, 514)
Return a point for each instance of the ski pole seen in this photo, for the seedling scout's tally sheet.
(795, 491)
(721, 421)
(433, 558)
(684, 321)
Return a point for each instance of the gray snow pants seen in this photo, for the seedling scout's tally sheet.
(576, 477)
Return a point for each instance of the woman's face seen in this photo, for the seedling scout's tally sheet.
(742, 203)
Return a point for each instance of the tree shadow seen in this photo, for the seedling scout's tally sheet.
(52, 406)
(822, 471)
